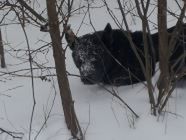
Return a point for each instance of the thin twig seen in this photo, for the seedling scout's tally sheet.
(111, 92)
(14, 135)
(32, 75)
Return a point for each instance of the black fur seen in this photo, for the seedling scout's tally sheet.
(177, 59)
(107, 57)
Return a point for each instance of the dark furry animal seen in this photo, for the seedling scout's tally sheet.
(177, 59)
(106, 57)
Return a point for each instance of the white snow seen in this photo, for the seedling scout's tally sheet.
(101, 116)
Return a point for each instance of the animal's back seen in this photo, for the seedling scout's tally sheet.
(130, 71)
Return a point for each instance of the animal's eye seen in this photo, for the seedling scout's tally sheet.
(78, 62)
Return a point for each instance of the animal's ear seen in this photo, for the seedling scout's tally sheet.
(70, 37)
(108, 28)
(44, 28)
(107, 35)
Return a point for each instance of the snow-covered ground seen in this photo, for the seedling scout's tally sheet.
(101, 116)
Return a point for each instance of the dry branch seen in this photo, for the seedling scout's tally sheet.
(59, 58)
(3, 65)
(31, 10)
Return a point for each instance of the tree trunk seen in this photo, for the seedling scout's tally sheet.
(164, 78)
(3, 65)
(59, 58)
(149, 62)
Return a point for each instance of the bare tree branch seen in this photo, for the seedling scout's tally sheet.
(38, 16)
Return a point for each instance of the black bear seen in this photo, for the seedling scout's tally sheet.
(177, 58)
(107, 57)
(178, 53)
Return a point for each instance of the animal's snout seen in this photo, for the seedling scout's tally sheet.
(87, 81)
(90, 78)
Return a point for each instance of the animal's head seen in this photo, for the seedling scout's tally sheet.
(90, 54)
